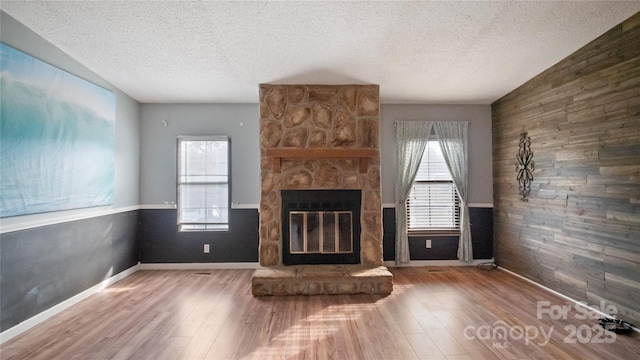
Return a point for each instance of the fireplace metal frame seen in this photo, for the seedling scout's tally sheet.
(321, 200)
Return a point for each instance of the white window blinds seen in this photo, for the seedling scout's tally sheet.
(203, 183)
(433, 203)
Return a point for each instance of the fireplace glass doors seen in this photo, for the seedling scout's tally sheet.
(325, 232)
(321, 226)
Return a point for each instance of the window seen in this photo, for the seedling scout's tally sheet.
(203, 183)
(433, 203)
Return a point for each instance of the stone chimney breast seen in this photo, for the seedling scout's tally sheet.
(326, 138)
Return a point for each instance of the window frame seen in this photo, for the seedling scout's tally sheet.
(434, 231)
(208, 226)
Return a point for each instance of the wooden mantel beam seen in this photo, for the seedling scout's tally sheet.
(363, 154)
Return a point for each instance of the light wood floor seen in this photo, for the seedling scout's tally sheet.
(433, 313)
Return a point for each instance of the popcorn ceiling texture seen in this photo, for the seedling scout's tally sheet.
(465, 52)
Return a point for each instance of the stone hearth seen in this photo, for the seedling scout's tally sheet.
(322, 279)
(320, 137)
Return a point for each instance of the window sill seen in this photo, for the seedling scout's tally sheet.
(432, 233)
(195, 231)
(191, 230)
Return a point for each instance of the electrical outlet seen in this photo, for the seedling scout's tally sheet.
(206, 248)
(427, 244)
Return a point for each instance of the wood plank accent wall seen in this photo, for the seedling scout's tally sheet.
(579, 233)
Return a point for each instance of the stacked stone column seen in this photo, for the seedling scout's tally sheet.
(319, 116)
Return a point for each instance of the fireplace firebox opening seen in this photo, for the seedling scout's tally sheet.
(321, 226)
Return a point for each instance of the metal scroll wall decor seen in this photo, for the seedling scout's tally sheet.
(524, 166)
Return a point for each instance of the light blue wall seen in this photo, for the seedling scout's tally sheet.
(159, 150)
(158, 147)
(479, 146)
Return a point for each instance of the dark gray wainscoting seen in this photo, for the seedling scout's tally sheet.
(44, 266)
(389, 234)
(442, 247)
(160, 242)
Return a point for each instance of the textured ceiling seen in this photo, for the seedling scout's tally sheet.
(418, 52)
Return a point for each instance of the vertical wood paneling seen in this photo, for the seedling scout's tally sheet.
(580, 231)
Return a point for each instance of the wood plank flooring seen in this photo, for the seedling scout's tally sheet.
(433, 313)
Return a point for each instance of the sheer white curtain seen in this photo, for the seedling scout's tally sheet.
(411, 140)
(452, 137)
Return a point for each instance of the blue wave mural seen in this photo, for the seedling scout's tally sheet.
(57, 138)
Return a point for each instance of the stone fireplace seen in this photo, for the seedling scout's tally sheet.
(320, 156)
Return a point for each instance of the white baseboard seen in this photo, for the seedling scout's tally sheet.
(56, 309)
(198, 266)
(418, 263)
(596, 310)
